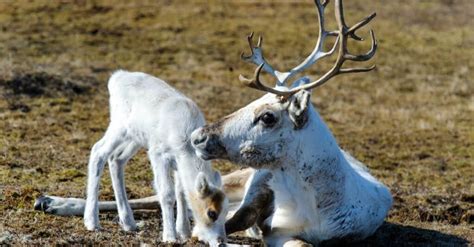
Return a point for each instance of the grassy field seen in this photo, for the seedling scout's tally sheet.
(411, 120)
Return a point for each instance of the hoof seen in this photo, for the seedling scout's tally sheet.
(130, 228)
(170, 240)
(184, 237)
(43, 203)
(91, 226)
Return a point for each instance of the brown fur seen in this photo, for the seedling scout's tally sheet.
(215, 201)
(217, 126)
(212, 201)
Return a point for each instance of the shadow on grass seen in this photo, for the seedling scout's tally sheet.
(390, 234)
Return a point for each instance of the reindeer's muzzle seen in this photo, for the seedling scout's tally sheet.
(207, 144)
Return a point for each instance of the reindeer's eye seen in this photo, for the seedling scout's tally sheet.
(212, 215)
(268, 119)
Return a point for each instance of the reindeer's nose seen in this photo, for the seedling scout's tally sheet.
(199, 138)
(207, 145)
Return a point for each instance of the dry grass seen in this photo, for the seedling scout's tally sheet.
(410, 121)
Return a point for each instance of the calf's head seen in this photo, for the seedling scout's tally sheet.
(209, 205)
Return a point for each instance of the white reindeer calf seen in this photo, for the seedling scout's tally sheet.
(145, 112)
(306, 189)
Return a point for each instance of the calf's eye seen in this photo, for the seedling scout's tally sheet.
(212, 215)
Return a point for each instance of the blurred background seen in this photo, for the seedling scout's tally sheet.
(410, 121)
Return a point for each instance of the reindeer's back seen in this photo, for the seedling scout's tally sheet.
(150, 108)
(134, 88)
(368, 199)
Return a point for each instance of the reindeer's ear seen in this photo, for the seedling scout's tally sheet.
(298, 108)
(202, 185)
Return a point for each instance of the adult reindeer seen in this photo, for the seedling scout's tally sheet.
(306, 189)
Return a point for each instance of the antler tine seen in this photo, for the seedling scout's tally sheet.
(256, 55)
(256, 83)
(367, 56)
(357, 70)
(360, 24)
(242, 54)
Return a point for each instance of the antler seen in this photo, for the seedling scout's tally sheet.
(257, 84)
(257, 58)
(343, 32)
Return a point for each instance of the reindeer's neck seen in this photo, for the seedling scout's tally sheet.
(316, 141)
(318, 158)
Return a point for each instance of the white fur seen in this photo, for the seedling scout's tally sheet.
(146, 112)
(320, 192)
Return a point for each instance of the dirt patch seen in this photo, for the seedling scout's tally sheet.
(450, 210)
(42, 84)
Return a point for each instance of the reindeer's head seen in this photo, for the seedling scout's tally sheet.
(258, 134)
(262, 132)
(209, 205)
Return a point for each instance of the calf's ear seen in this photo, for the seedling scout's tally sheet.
(298, 108)
(202, 185)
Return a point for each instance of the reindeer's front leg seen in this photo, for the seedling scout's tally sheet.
(256, 206)
(183, 227)
(163, 181)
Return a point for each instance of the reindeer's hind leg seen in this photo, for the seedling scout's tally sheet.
(234, 184)
(60, 205)
(117, 162)
(162, 165)
(75, 206)
(99, 154)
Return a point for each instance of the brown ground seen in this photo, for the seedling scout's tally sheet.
(410, 120)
